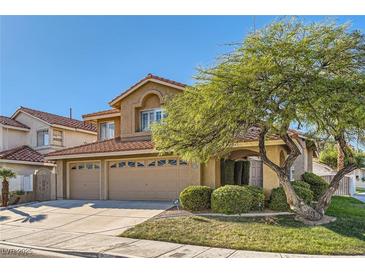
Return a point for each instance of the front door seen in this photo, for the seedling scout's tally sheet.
(256, 173)
(43, 185)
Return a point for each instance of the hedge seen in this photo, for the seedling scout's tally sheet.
(231, 199)
(258, 198)
(278, 198)
(301, 184)
(195, 198)
(317, 184)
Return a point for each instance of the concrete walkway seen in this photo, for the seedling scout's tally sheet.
(360, 196)
(93, 245)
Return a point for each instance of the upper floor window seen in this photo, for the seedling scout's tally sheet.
(150, 116)
(57, 137)
(42, 138)
(106, 130)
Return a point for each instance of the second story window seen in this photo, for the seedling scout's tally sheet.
(106, 130)
(42, 138)
(150, 116)
(57, 137)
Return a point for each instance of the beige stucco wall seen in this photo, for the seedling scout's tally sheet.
(34, 125)
(11, 138)
(211, 173)
(29, 169)
(134, 102)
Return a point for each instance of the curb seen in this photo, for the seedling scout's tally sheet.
(266, 214)
(85, 254)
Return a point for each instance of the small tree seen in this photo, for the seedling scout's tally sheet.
(286, 73)
(329, 156)
(5, 174)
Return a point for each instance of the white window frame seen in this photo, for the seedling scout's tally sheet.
(109, 131)
(151, 118)
(45, 140)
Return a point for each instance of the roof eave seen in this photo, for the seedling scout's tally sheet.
(101, 154)
(113, 102)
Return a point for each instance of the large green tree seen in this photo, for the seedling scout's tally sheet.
(288, 73)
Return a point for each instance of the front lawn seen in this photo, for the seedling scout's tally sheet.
(281, 234)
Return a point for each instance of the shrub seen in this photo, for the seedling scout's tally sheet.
(301, 184)
(195, 198)
(258, 198)
(231, 199)
(317, 184)
(278, 197)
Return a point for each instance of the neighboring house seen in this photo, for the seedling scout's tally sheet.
(358, 175)
(123, 164)
(28, 134)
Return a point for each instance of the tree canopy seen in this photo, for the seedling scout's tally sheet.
(286, 73)
(311, 75)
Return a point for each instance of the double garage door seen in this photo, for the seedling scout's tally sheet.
(137, 179)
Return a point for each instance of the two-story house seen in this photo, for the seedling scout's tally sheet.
(123, 164)
(29, 134)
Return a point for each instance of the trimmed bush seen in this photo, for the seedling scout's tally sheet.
(317, 184)
(195, 198)
(231, 199)
(301, 184)
(258, 198)
(278, 198)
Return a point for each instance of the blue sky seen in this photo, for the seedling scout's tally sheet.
(53, 63)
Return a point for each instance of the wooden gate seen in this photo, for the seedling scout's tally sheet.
(344, 187)
(43, 185)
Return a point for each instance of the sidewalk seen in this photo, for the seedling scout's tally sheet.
(119, 247)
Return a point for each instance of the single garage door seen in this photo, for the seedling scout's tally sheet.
(85, 180)
(150, 179)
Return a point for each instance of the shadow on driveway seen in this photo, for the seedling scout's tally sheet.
(27, 217)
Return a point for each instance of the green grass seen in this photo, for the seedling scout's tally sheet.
(283, 234)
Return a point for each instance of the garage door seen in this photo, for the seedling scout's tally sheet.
(150, 179)
(85, 180)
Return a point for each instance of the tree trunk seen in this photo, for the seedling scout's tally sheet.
(5, 193)
(295, 203)
(325, 200)
(340, 158)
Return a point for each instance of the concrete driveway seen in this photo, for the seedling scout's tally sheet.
(73, 221)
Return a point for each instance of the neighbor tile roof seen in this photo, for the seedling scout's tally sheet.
(7, 121)
(253, 133)
(112, 145)
(54, 119)
(22, 153)
(150, 76)
(103, 112)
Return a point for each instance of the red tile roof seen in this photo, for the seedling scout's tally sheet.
(150, 76)
(252, 134)
(117, 144)
(103, 112)
(112, 145)
(54, 119)
(22, 153)
(7, 121)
